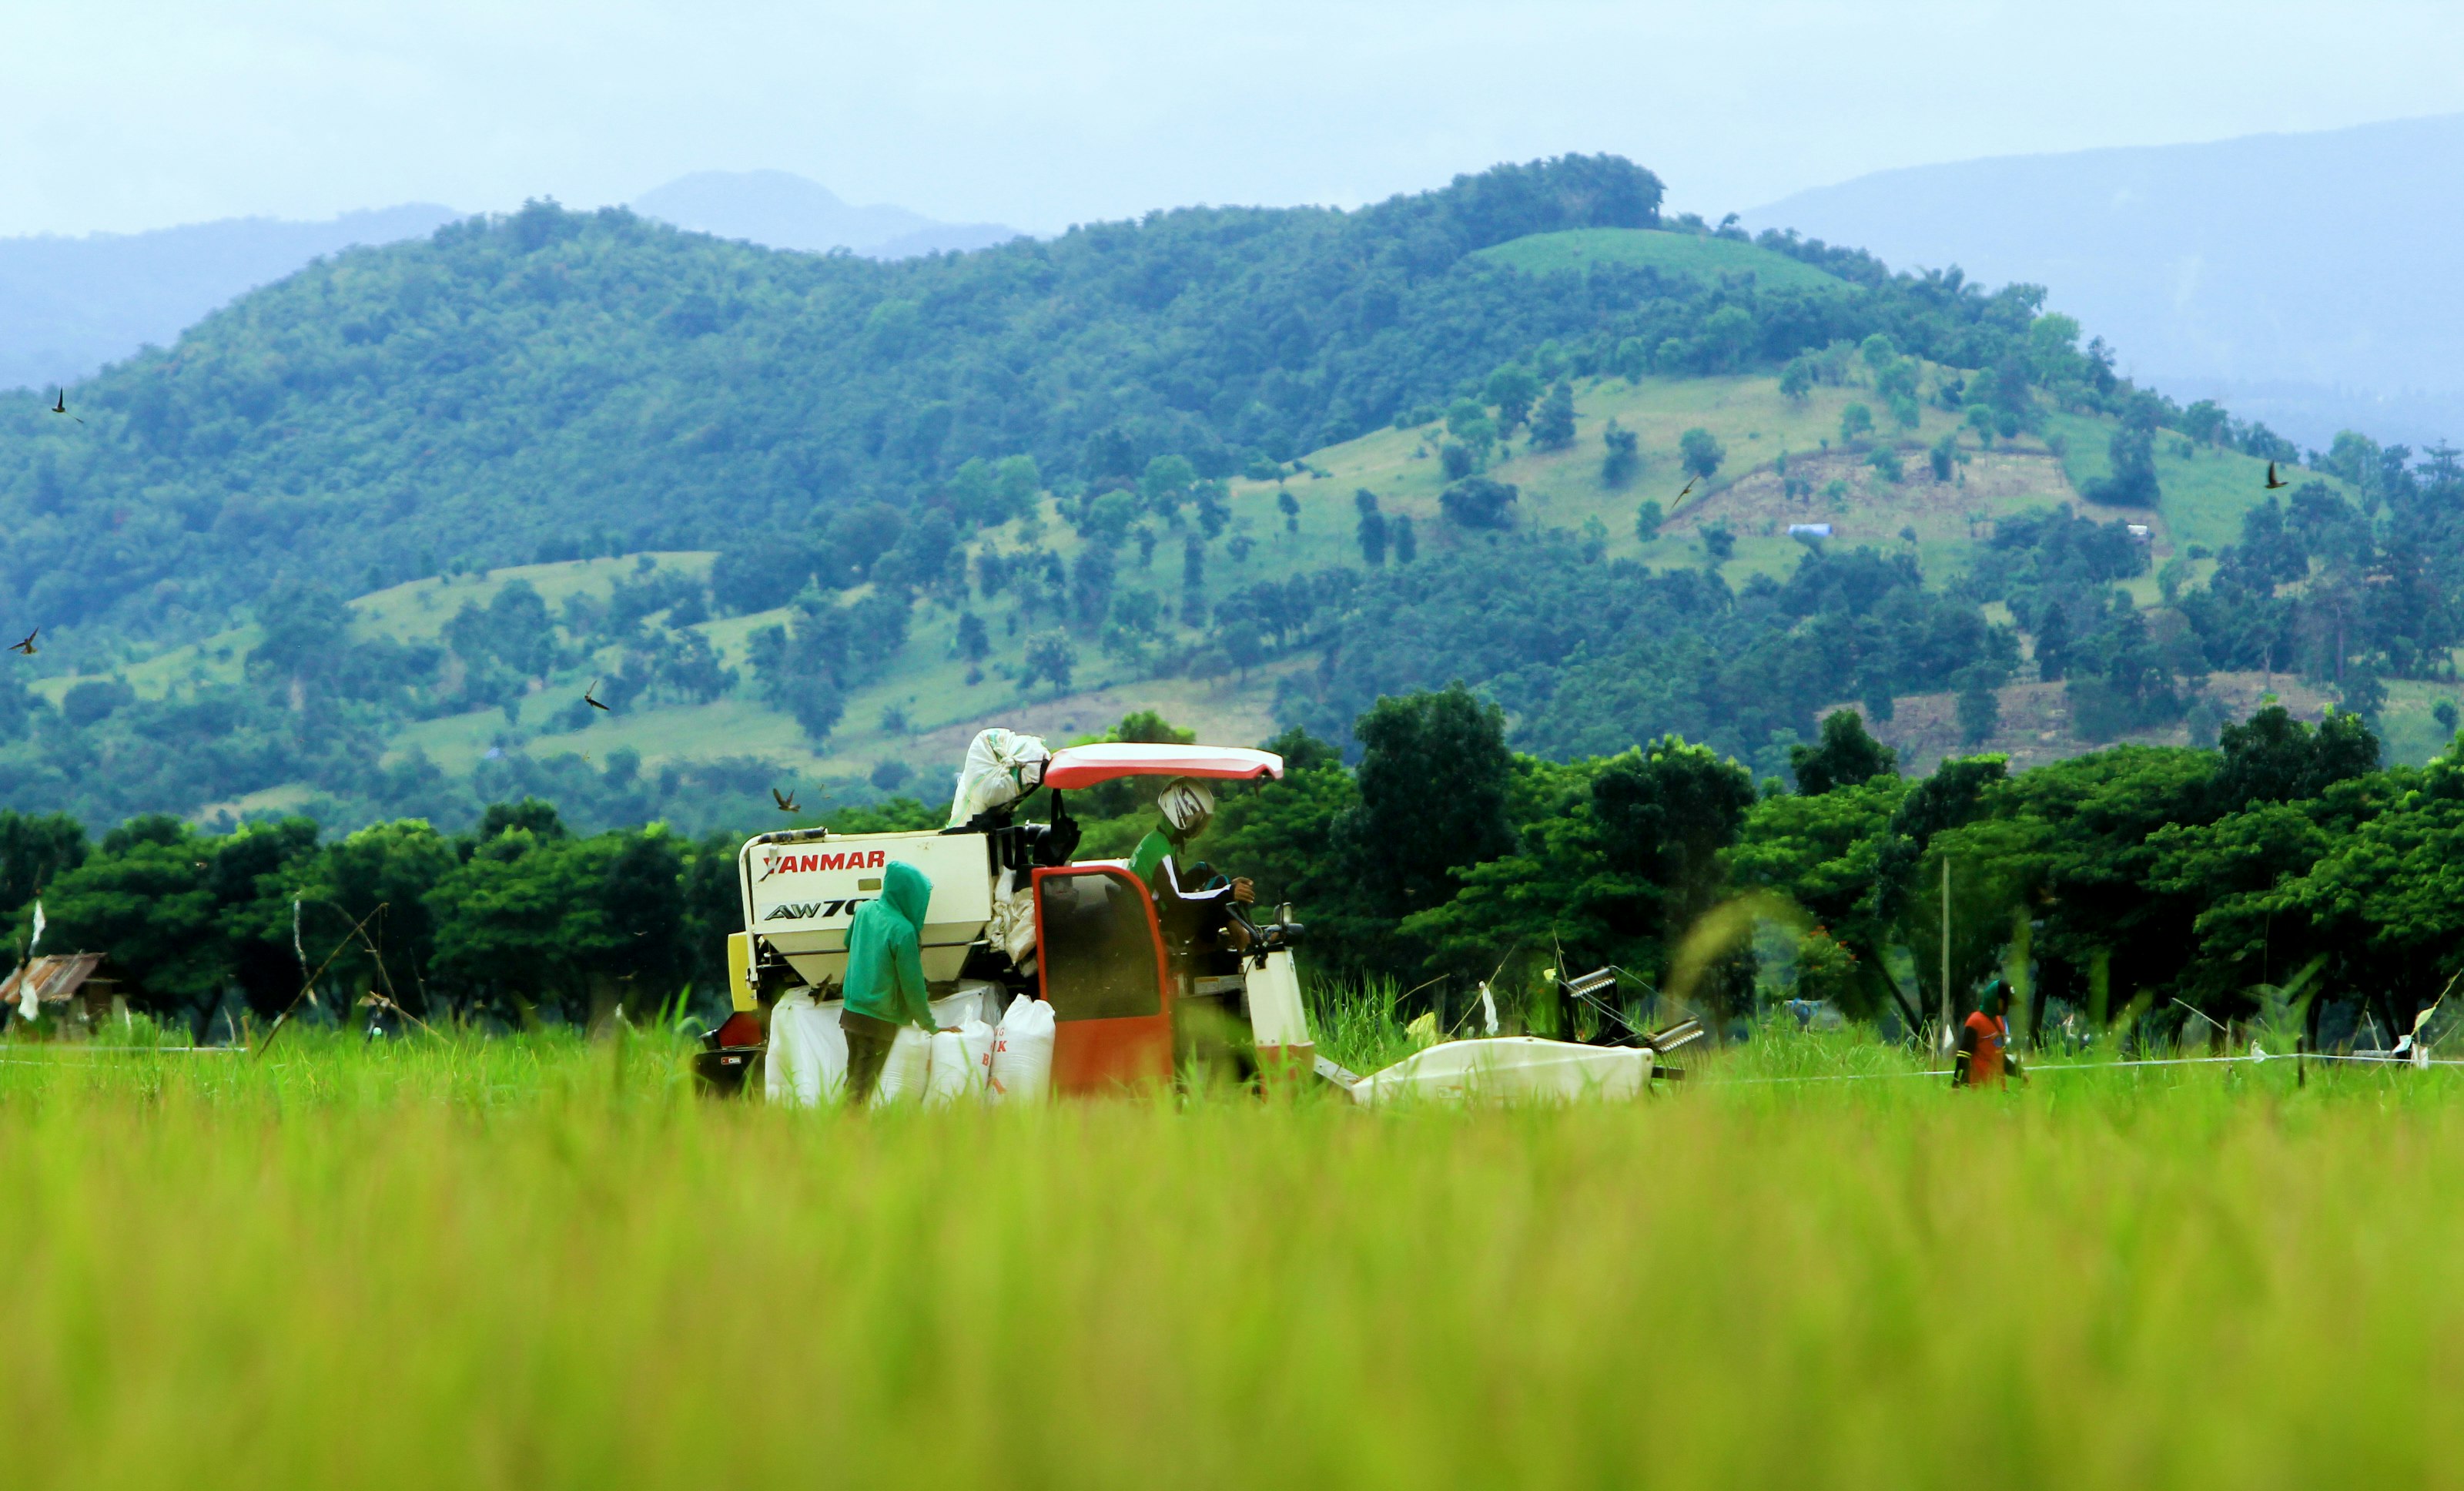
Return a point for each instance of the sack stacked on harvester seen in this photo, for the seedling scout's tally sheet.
(1001, 766)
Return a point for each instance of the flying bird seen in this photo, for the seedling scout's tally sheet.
(2273, 480)
(786, 802)
(28, 645)
(1689, 488)
(61, 406)
(588, 696)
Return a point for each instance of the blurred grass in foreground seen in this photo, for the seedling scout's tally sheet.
(531, 1263)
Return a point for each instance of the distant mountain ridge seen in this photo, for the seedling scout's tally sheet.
(779, 210)
(71, 304)
(68, 305)
(548, 383)
(2315, 281)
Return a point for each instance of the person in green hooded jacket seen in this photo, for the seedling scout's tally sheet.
(885, 975)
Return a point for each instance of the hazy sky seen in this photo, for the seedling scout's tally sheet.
(128, 114)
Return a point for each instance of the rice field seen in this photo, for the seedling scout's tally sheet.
(533, 1261)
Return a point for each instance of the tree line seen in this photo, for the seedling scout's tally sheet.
(2135, 877)
(516, 920)
(2142, 875)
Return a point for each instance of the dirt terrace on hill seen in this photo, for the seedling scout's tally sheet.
(2037, 726)
(1993, 484)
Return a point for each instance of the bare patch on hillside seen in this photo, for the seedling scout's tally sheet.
(1222, 712)
(1868, 509)
(2036, 726)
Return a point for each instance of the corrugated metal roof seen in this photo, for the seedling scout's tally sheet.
(56, 976)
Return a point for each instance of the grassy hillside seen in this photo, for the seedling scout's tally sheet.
(1697, 255)
(918, 714)
(554, 448)
(552, 385)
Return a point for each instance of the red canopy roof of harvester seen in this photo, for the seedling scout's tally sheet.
(1085, 766)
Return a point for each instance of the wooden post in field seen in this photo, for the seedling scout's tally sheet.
(1945, 1038)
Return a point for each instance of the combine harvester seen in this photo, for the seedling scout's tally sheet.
(1132, 987)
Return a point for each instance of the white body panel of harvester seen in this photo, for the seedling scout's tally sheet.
(801, 890)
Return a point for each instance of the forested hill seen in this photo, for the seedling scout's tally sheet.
(552, 384)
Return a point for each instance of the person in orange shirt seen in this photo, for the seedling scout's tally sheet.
(1985, 1042)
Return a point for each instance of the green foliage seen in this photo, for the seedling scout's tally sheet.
(1855, 422)
(1668, 814)
(1979, 707)
(1604, 251)
(1847, 755)
(2272, 757)
(2133, 480)
(1590, 656)
(1509, 390)
(555, 384)
(520, 919)
(1624, 456)
(1942, 453)
(1700, 452)
(1371, 528)
(1049, 658)
(1478, 502)
(35, 851)
(806, 668)
(1552, 428)
(1433, 795)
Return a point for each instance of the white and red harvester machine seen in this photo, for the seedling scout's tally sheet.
(1011, 914)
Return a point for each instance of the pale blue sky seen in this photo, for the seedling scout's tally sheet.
(129, 114)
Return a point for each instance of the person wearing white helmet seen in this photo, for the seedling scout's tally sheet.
(1187, 808)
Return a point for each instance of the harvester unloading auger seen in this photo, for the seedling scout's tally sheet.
(1012, 914)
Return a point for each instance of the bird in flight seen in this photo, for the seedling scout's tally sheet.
(61, 406)
(28, 645)
(1689, 488)
(588, 696)
(786, 801)
(2273, 480)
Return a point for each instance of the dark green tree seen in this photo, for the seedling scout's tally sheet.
(1700, 453)
(1479, 502)
(1432, 778)
(1624, 455)
(1049, 658)
(1845, 755)
(1668, 813)
(1552, 426)
(970, 639)
(2272, 757)
(35, 851)
(2132, 482)
(1511, 390)
(1979, 707)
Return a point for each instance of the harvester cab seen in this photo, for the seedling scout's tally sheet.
(1012, 914)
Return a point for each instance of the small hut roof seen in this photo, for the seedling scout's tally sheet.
(56, 977)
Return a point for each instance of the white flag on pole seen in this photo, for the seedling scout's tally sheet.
(27, 1003)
